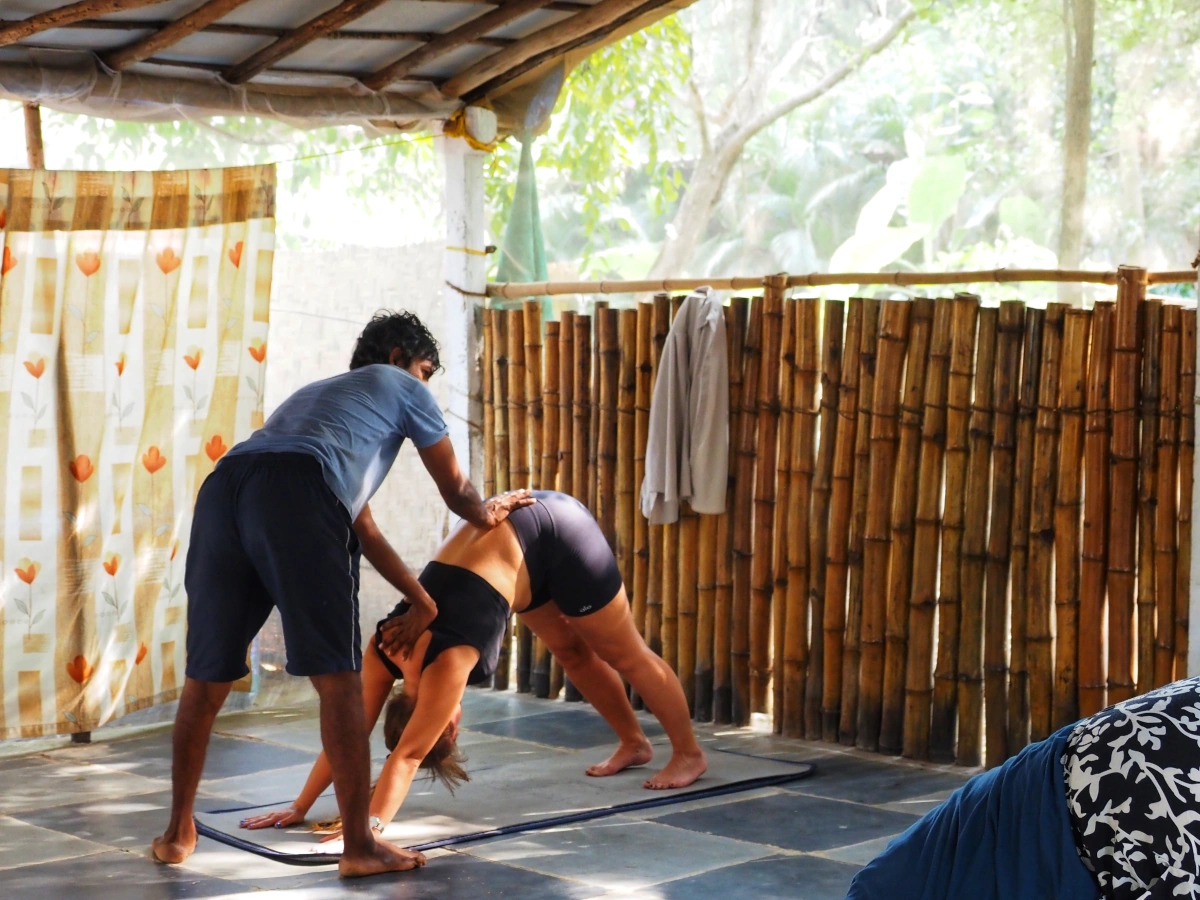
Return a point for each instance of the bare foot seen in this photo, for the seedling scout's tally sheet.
(624, 757)
(174, 847)
(383, 857)
(681, 771)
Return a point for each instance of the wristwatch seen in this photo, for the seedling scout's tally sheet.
(376, 825)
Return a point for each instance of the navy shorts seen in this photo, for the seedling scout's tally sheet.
(268, 532)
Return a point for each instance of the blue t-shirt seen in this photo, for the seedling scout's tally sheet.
(353, 424)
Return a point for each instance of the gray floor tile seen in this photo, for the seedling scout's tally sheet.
(482, 705)
(847, 777)
(42, 783)
(619, 854)
(113, 876)
(782, 878)
(126, 823)
(793, 822)
(859, 854)
(22, 844)
(576, 729)
(297, 732)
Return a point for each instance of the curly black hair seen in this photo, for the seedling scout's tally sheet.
(390, 330)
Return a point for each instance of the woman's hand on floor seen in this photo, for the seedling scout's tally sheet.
(280, 818)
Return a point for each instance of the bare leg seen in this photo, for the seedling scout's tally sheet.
(610, 633)
(599, 683)
(198, 707)
(344, 736)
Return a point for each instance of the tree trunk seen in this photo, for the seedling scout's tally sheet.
(1079, 24)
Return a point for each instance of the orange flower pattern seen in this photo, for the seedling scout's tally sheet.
(9, 262)
(88, 262)
(3, 217)
(120, 364)
(257, 350)
(81, 468)
(167, 261)
(235, 255)
(27, 570)
(141, 654)
(112, 564)
(153, 460)
(193, 357)
(35, 366)
(80, 670)
(215, 448)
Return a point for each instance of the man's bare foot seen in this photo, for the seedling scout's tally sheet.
(624, 757)
(681, 771)
(383, 857)
(175, 846)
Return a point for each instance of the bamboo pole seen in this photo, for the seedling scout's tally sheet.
(654, 594)
(489, 411)
(904, 506)
(500, 383)
(833, 624)
(688, 592)
(518, 467)
(608, 344)
(743, 515)
(532, 310)
(852, 646)
(974, 546)
(1039, 639)
(1094, 565)
(626, 485)
(641, 529)
(669, 629)
(1018, 682)
(566, 401)
(593, 468)
(927, 539)
(1166, 513)
(1187, 454)
(894, 326)
(706, 611)
(762, 577)
(783, 511)
(943, 712)
(1147, 594)
(1122, 538)
(797, 662)
(582, 412)
(822, 498)
(1067, 515)
(542, 660)
(736, 318)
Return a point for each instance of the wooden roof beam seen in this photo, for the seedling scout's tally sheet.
(314, 29)
(452, 40)
(594, 19)
(172, 34)
(65, 15)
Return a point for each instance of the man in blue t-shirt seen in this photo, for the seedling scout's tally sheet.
(282, 522)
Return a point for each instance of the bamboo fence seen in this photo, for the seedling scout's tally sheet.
(950, 528)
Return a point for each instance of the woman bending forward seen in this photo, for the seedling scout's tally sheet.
(553, 567)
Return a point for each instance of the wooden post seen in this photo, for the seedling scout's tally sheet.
(974, 546)
(743, 545)
(736, 317)
(500, 383)
(580, 436)
(894, 326)
(918, 673)
(943, 712)
(818, 532)
(1038, 639)
(706, 614)
(1166, 513)
(762, 578)
(904, 506)
(797, 662)
(1122, 538)
(1187, 455)
(641, 532)
(688, 591)
(627, 486)
(783, 511)
(34, 148)
(836, 566)
(593, 468)
(566, 442)
(532, 310)
(551, 410)
(1147, 594)
(1067, 516)
(1018, 681)
(654, 595)
(489, 412)
(518, 465)
(608, 343)
(848, 721)
(1094, 566)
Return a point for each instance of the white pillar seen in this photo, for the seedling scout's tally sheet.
(465, 276)
(1193, 663)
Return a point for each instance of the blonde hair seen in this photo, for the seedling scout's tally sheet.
(445, 761)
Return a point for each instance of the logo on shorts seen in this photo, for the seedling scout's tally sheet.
(584, 609)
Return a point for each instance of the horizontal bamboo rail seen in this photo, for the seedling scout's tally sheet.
(515, 290)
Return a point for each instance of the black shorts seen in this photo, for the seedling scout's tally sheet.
(267, 532)
(471, 613)
(567, 555)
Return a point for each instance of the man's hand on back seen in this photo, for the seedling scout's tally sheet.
(501, 505)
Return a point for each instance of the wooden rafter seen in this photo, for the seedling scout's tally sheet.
(452, 40)
(285, 71)
(314, 29)
(581, 25)
(489, 88)
(170, 35)
(65, 15)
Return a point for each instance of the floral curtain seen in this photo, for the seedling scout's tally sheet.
(133, 344)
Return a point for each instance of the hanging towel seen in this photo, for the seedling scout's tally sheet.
(687, 450)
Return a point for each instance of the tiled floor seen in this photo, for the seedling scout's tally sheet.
(76, 822)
